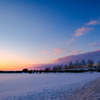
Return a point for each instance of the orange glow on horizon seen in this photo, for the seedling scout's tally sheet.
(9, 61)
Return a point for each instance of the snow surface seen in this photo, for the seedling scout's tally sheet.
(50, 86)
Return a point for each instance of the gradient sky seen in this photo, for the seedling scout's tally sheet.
(40, 31)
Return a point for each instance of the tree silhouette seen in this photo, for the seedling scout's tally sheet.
(90, 63)
(47, 69)
(25, 70)
(77, 64)
(66, 67)
(71, 65)
(83, 62)
(98, 65)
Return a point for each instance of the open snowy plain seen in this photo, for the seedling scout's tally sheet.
(50, 86)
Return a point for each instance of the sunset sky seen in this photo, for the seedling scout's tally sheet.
(40, 31)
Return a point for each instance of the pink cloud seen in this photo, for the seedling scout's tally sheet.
(93, 22)
(76, 52)
(44, 52)
(57, 53)
(81, 31)
(73, 52)
(68, 50)
(97, 50)
(58, 49)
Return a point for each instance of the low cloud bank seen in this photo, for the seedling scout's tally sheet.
(94, 55)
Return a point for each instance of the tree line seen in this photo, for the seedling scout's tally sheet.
(77, 66)
(82, 66)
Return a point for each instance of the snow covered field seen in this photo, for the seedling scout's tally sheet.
(50, 86)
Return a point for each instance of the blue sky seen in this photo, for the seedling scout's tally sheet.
(39, 31)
